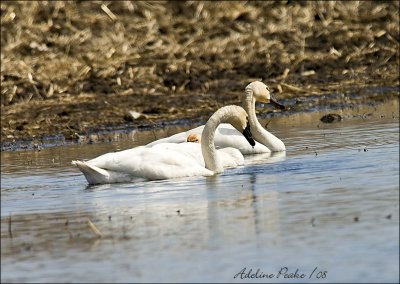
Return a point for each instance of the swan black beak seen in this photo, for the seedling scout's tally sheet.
(275, 103)
(247, 134)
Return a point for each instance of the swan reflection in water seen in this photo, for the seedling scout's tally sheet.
(229, 208)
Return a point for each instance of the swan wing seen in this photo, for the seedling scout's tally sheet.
(144, 163)
(230, 157)
(160, 163)
(112, 159)
(225, 136)
(190, 149)
(96, 175)
(177, 138)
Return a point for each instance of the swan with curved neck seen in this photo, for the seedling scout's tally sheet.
(165, 161)
(258, 91)
(227, 136)
(229, 114)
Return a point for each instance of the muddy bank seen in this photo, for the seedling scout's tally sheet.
(69, 69)
(298, 111)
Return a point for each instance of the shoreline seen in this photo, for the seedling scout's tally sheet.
(294, 115)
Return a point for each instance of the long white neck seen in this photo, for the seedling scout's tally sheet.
(259, 133)
(224, 114)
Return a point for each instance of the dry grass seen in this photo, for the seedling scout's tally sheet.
(104, 58)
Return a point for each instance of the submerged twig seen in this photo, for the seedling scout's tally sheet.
(94, 228)
(9, 227)
(297, 89)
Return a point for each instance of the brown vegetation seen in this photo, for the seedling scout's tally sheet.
(71, 66)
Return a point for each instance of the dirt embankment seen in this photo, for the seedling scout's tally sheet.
(73, 66)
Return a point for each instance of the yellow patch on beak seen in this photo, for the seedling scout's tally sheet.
(263, 100)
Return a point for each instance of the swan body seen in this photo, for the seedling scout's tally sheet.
(171, 160)
(145, 164)
(225, 136)
(228, 136)
(229, 156)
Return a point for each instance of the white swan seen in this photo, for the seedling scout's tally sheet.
(172, 160)
(228, 136)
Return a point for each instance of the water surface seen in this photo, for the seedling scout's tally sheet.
(328, 208)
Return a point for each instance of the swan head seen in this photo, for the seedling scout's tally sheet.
(194, 138)
(260, 92)
(240, 121)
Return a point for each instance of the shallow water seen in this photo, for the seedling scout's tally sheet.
(328, 208)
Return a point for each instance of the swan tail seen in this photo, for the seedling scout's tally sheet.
(93, 174)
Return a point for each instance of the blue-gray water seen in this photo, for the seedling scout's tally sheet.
(330, 205)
